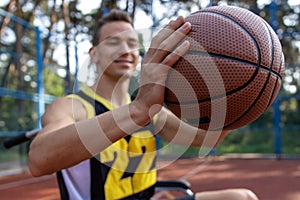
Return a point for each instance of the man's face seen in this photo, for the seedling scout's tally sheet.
(117, 53)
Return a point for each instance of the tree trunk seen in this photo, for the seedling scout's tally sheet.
(18, 64)
(65, 9)
(52, 21)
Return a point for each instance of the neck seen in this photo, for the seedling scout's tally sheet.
(112, 90)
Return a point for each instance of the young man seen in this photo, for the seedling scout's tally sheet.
(100, 143)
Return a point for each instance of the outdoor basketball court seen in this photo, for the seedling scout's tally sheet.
(271, 179)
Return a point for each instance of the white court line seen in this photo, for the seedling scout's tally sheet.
(27, 181)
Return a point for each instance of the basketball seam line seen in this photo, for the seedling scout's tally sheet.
(257, 48)
(249, 34)
(262, 89)
(220, 95)
(228, 57)
(234, 59)
(258, 66)
(229, 92)
(273, 92)
(280, 66)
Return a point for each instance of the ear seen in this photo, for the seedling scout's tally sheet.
(91, 49)
(92, 52)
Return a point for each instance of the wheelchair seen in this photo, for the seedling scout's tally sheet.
(177, 185)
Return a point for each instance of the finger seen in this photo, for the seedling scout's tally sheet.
(168, 30)
(164, 66)
(177, 53)
(164, 33)
(168, 45)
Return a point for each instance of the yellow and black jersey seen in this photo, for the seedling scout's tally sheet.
(124, 170)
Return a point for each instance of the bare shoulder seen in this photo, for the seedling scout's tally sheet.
(63, 109)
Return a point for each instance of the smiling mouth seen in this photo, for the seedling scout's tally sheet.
(123, 61)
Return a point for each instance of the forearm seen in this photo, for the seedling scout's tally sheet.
(53, 150)
(176, 131)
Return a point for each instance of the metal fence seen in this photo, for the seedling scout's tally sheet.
(21, 83)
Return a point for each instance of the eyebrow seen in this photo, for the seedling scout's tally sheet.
(113, 37)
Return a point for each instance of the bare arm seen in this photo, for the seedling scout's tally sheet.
(173, 130)
(68, 138)
(63, 142)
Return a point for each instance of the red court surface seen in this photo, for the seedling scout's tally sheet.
(270, 179)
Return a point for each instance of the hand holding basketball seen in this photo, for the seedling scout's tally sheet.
(232, 72)
(158, 61)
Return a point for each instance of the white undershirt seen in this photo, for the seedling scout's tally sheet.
(78, 181)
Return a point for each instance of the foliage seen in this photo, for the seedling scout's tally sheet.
(14, 120)
(53, 83)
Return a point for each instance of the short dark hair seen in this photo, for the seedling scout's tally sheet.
(112, 16)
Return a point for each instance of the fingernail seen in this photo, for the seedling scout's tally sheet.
(185, 44)
(186, 25)
(179, 18)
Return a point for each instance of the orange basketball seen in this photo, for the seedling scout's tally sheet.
(232, 72)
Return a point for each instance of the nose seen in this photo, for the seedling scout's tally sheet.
(124, 48)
